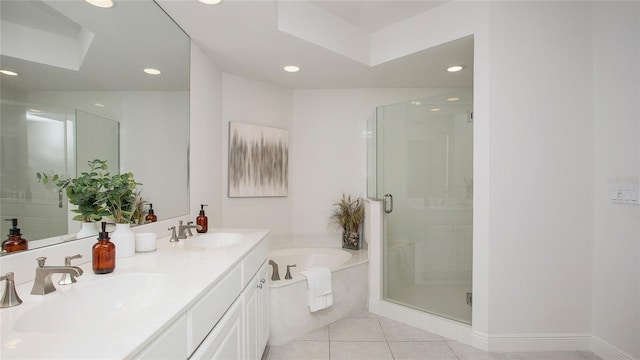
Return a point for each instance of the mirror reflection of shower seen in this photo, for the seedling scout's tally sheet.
(53, 140)
(420, 154)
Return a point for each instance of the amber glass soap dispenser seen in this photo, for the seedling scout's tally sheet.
(15, 241)
(151, 216)
(104, 253)
(202, 220)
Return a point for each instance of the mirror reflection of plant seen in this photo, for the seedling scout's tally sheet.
(139, 208)
(119, 197)
(83, 191)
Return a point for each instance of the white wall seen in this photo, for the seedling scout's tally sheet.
(616, 271)
(327, 158)
(254, 102)
(541, 168)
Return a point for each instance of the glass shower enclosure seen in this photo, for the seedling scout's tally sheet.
(420, 165)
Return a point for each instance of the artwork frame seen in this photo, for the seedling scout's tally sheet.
(258, 161)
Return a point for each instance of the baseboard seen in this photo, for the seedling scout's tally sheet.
(608, 351)
(539, 342)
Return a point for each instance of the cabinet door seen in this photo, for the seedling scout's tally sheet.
(225, 341)
(263, 308)
(172, 344)
(251, 301)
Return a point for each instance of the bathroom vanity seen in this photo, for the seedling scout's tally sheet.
(208, 299)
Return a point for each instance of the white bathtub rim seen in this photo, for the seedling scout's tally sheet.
(358, 257)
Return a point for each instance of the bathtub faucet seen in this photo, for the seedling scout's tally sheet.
(275, 276)
(288, 276)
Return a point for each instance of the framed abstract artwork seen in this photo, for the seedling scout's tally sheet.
(258, 161)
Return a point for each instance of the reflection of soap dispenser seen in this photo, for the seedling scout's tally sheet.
(104, 253)
(15, 241)
(151, 216)
(202, 220)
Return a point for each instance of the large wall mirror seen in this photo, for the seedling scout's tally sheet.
(81, 93)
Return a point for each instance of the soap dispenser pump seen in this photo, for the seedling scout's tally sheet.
(202, 220)
(151, 216)
(15, 241)
(104, 253)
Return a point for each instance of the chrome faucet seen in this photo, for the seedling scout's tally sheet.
(10, 297)
(184, 231)
(42, 284)
(276, 275)
(67, 278)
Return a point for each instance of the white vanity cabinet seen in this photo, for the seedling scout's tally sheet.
(230, 321)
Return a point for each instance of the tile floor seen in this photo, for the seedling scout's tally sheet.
(368, 336)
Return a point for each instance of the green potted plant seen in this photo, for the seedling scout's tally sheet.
(119, 198)
(84, 192)
(348, 215)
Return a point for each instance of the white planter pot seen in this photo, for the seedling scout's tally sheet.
(125, 240)
(87, 229)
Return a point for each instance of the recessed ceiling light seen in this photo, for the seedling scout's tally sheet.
(291, 68)
(211, 2)
(455, 68)
(435, 109)
(99, 105)
(453, 99)
(9, 72)
(105, 4)
(34, 110)
(152, 71)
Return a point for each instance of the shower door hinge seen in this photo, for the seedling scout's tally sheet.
(469, 299)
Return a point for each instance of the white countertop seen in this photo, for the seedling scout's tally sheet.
(190, 272)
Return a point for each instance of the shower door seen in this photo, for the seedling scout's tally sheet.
(424, 174)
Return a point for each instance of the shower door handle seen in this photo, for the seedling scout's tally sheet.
(390, 198)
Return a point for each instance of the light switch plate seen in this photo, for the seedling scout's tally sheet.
(624, 194)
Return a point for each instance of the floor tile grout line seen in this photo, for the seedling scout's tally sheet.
(385, 338)
(452, 351)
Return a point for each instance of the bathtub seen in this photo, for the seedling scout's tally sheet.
(289, 312)
(305, 258)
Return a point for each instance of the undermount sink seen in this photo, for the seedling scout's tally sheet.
(214, 240)
(120, 298)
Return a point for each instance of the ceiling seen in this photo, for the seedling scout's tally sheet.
(376, 15)
(242, 37)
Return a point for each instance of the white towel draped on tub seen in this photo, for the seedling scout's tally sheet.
(320, 292)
